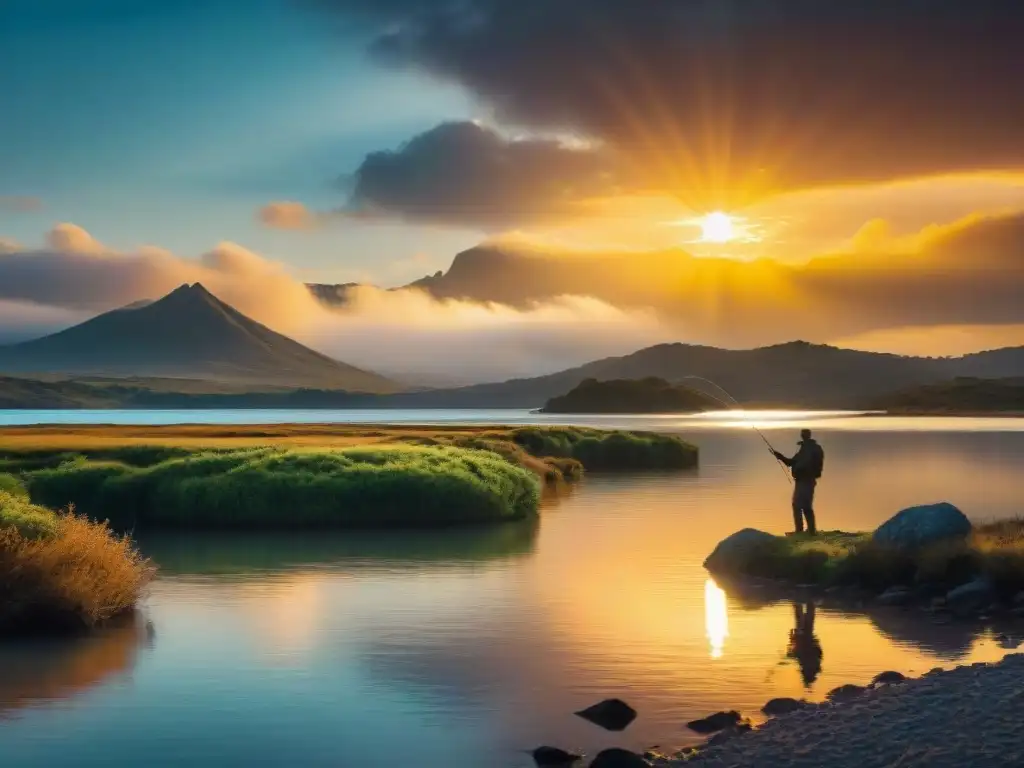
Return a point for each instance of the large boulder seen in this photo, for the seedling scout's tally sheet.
(734, 553)
(916, 527)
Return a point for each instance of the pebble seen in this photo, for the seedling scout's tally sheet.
(967, 716)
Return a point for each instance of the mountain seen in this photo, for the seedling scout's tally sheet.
(795, 374)
(189, 333)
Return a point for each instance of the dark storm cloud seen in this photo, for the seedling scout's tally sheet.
(719, 100)
(464, 173)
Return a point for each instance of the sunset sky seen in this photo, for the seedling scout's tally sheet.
(869, 150)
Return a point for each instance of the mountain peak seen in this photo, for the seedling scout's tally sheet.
(188, 333)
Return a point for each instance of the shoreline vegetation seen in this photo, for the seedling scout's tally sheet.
(980, 571)
(60, 572)
(314, 475)
(63, 571)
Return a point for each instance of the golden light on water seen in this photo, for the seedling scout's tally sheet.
(716, 617)
(717, 227)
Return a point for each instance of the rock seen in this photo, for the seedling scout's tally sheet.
(619, 758)
(729, 734)
(971, 597)
(894, 596)
(782, 706)
(715, 722)
(610, 714)
(734, 553)
(550, 757)
(889, 678)
(845, 692)
(915, 527)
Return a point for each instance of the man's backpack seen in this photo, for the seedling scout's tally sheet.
(817, 461)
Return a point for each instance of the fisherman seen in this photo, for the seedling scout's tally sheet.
(806, 466)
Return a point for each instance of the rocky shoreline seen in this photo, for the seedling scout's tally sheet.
(967, 716)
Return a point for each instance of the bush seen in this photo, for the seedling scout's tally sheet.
(73, 575)
(404, 486)
(12, 485)
(29, 520)
(604, 450)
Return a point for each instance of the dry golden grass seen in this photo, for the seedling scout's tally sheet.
(78, 577)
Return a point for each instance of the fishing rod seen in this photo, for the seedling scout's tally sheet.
(735, 404)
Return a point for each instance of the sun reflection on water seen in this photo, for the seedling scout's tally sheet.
(716, 617)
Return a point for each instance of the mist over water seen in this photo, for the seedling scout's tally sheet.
(467, 648)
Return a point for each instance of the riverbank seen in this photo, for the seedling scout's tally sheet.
(965, 716)
(317, 475)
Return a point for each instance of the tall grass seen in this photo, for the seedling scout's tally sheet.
(405, 486)
(993, 550)
(608, 450)
(68, 574)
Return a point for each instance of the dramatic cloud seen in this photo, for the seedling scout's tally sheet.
(288, 215)
(508, 309)
(390, 331)
(720, 101)
(966, 273)
(468, 174)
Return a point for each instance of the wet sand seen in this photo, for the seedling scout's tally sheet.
(969, 716)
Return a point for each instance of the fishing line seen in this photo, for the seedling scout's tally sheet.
(736, 405)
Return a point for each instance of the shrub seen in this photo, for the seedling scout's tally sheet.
(12, 485)
(29, 520)
(266, 488)
(73, 576)
(608, 450)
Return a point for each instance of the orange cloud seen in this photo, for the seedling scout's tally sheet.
(287, 214)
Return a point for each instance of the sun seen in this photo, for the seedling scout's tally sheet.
(717, 227)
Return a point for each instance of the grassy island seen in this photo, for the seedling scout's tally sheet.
(993, 552)
(62, 572)
(309, 476)
(650, 395)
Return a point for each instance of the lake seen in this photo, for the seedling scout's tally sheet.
(466, 649)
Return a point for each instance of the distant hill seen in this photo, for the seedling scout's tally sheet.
(795, 374)
(189, 333)
(963, 395)
(651, 395)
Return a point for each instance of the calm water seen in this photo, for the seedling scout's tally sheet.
(465, 649)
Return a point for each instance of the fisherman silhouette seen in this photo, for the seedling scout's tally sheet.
(804, 646)
(806, 466)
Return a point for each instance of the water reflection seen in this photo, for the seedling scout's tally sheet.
(804, 646)
(716, 617)
(240, 552)
(36, 672)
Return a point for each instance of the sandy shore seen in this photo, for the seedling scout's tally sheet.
(969, 716)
